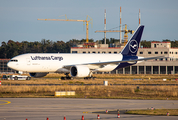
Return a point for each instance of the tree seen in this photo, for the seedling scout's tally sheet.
(11, 48)
(3, 50)
(146, 44)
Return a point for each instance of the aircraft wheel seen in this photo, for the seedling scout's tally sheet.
(15, 78)
(68, 78)
(28, 78)
(63, 78)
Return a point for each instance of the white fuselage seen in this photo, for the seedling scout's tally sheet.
(54, 62)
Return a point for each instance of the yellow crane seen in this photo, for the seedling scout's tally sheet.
(125, 33)
(87, 22)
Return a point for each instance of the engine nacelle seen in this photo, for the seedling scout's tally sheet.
(38, 75)
(79, 71)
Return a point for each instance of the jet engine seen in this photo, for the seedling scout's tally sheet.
(38, 75)
(79, 71)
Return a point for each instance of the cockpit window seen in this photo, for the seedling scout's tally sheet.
(14, 60)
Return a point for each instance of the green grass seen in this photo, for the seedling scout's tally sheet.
(172, 112)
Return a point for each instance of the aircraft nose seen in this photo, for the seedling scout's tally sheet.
(12, 65)
(9, 64)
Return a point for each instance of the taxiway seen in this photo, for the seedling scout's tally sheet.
(73, 109)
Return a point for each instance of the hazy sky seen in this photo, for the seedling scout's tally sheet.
(18, 19)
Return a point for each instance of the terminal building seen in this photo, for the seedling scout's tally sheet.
(4, 68)
(157, 66)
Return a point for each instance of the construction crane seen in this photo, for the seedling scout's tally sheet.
(87, 22)
(125, 33)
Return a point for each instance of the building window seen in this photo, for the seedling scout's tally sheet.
(109, 52)
(103, 52)
(175, 52)
(165, 52)
(88, 52)
(169, 52)
(84, 52)
(155, 45)
(161, 52)
(149, 52)
(115, 52)
(156, 52)
(141, 52)
(172, 52)
(98, 52)
(94, 52)
(74, 51)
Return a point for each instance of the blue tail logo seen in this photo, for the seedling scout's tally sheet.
(132, 45)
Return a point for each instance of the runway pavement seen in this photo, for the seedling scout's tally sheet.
(72, 109)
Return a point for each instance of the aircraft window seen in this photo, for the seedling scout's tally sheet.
(14, 60)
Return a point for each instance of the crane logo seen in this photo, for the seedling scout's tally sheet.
(133, 46)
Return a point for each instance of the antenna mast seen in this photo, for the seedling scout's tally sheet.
(120, 27)
(105, 27)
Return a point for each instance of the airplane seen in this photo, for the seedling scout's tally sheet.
(79, 65)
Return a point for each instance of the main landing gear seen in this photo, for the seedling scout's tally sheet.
(90, 76)
(86, 78)
(67, 77)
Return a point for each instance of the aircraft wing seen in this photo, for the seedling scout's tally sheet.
(123, 61)
(117, 62)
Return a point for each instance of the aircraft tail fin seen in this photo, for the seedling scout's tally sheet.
(132, 45)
